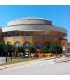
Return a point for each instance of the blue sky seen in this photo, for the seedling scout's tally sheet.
(60, 15)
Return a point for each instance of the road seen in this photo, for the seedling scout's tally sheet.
(41, 67)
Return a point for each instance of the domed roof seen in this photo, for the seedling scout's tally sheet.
(30, 21)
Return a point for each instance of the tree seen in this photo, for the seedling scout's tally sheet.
(2, 45)
(10, 49)
(19, 49)
(55, 48)
(32, 49)
(44, 50)
(5, 49)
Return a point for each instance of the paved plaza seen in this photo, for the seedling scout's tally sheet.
(39, 67)
(2, 60)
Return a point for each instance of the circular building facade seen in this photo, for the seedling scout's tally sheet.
(34, 32)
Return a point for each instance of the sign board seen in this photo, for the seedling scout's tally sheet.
(64, 48)
(26, 53)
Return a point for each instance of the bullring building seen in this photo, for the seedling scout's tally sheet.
(33, 32)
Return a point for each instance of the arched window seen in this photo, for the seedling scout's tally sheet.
(37, 45)
(17, 44)
(27, 44)
(47, 44)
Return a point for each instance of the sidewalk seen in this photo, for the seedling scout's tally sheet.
(20, 63)
(58, 60)
(62, 59)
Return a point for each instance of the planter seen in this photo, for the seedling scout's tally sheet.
(53, 54)
(47, 54)
(40, 55)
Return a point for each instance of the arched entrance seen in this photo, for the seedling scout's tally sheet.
(27, 44)
(38, 45)
(17, 44)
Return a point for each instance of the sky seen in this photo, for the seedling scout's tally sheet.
(60, 15)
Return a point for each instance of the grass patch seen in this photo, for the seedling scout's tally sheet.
(17, 60)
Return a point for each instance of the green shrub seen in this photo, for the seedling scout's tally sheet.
(20, 54)
(44, 50)
(19, 49)
(32, 49)
(55, 48)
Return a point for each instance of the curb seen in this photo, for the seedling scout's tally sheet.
(50, 58)
(62, 61)
(17, 64)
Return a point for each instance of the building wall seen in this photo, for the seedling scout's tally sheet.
(63, 42)
(22, 40)
(1, 38)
